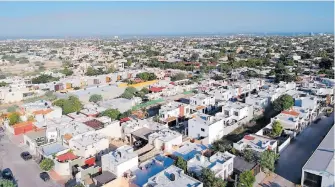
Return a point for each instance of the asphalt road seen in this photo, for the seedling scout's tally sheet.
(295, 155)
(26, 173)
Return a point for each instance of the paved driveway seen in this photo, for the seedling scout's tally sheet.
(295, 155)
(26, 173)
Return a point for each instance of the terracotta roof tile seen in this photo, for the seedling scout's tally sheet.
(291, 112)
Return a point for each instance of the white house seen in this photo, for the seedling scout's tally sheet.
(89, 144)
(120, 161)
(204, 125)
(220, 163)
(172, 176)
(319, 169)
(257, 101)
(173, 110)
(221, 94)
(236, 111)
(256, 143)
(202, 102)
(165, 139)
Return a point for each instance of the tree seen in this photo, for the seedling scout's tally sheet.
(246, 179)
(181, 163)
(6, 183)
(248, 155)
(43, 79)
(277, 129)
(221, 146)
(67, 72)
(207, 177)
(145, 76)
(267, 160)
(3, 84)
(72, 104)
(95, 98)
(47, 164)
(194, 57)
(178, 76)
(284, 102)
(14, 118)
(128, 63)
(145, 90)
(129, 93)
(112, 113)
(111, 69)
(326, 63)
(79, 185)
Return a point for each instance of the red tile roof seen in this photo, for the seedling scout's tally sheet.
(122, 120)
(156, 89)
(291, 112)
(66, 156)
(247, 137)
(95, 124)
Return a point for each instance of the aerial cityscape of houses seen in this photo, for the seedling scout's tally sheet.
(206, 111)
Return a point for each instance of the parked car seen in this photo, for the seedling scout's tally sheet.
(44, 176)
(7, 174)
(26, 155)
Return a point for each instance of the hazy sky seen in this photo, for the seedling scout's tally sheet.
(145, 18)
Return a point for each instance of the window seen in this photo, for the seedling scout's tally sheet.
(226, 112)
(203, 130)
(230, 167)
(187, 110)
(235, 113)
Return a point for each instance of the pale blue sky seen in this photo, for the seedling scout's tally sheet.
(145, 18)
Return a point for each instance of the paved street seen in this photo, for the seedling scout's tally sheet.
(26, 173)
(293, 158)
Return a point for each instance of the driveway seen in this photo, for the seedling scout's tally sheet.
(295, 155)
(26, 173)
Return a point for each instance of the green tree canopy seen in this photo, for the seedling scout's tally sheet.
(284, 102)
(95, 98)
(248, 155)
(221, 145)
(66, 71)
(267, 160)
(277, 129)
(3, 84)
(145, 76)
(326, 63)
(43, 79)
(14, 118)
(246, 179)
(129, 93)
(208, 178)
(72, 104)
(112, 113)
(178, 76)
(181, 163)
(6, 183)
(47, 164)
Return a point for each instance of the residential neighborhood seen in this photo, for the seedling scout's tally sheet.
(239, 110)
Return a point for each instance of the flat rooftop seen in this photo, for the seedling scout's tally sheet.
(172, 177)
(322, 160)
(189, 150)
(150, 168)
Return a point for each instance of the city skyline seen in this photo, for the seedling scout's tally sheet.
(23, 19)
